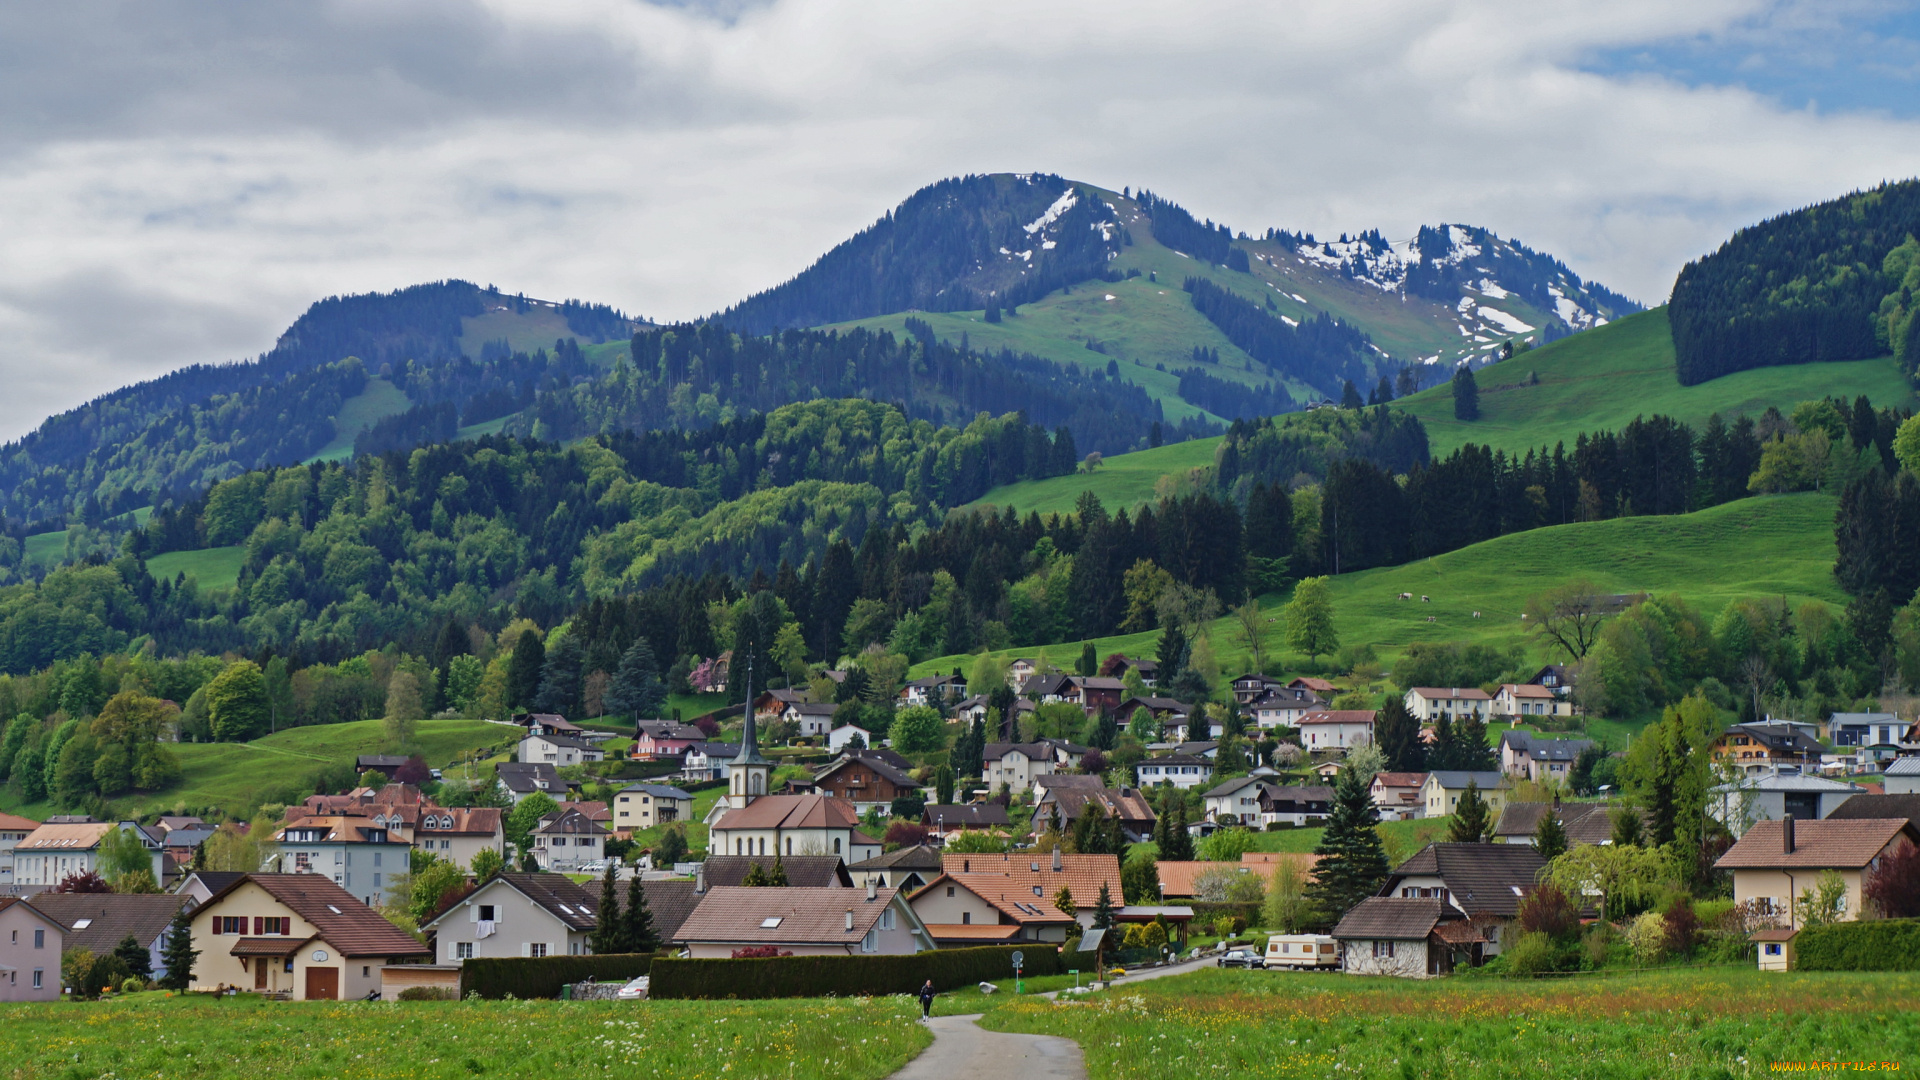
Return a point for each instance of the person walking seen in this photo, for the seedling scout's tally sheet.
(926, 1001)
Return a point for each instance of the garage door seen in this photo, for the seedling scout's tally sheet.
(323, 984)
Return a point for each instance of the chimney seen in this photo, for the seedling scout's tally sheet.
(871, 892)
(1786, 835)
(700, 880)
(849, 920)
(1056, 858)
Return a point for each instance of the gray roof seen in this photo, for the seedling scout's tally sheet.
(1231, 786)
(1540, 749)
(110, 917)
(1795, 782)
(1384, 918)
(561, 740)
(963, 814)
(1482, 878)
(1878, 806)
(1842, 719)
(1585, 823)
(803, 871)
(1487, 779)
(1904, 766)
(658, 791)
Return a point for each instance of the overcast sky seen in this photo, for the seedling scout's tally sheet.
(179, 180)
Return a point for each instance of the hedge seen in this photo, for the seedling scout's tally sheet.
(846, 976)
(542, 977)
(1206, 911)
(1876, 945)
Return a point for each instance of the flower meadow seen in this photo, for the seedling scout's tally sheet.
(1720, 1023)
(153, 1037)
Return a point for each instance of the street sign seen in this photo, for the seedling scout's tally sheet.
(1019, 960)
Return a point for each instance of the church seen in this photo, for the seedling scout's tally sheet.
(750, 821)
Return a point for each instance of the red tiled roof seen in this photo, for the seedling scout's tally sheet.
(1817, 845)
(792, 812)
(973, 931)
(16, 823)
(347, 924)
(739, 915)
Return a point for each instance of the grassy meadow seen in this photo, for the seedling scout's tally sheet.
(378, 401)
(155, 1036)
(1121, 482)
(1723, 1022)
(213, 568)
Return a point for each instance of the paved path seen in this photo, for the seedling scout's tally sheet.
(963, 1048)
(1147, 974)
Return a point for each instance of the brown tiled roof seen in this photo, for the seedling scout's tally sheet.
(1125, 804)
(973, 931)
(979, 815)
(66, 837)
(8, 901)
(16, 823)
(886, 771)
(570, 822)
(669, 902)
(732, 915)
(1585, 823)
(803, 871)
(792, 812)
(347, 924)
(1878, 806)
(880, 753)
(1485, 879)
(1457, 932)
(110, 917)
(1008, 880)
(1385, 918)
(1069, 781)
(341, 828)
(1400, 779)
(1773, 933)
(994, 751)
(269, 946)
(1817, 845)
(916, 857)
(1176, 878)
(467, 821)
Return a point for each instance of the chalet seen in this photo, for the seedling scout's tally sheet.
(1441, 791)
(708, 760)
(1484, 883)
(642, 806)
(770, 704)
(559, 751)
(1337, 729)
(1237, 800)
(1126, 805)
(660, 740)
(865, 781)
(1317, 685)
(1773, 796)
(1284, 706)
(1544, 761)
(1767, 747)
(1163, 709)
(1558, 678)
(1410, 938)
(1015, 765)
(295, 935)
(924, 691)
(1521, 700)
(457, 834)
(949, 819)
(811, 720)
(1148, 670)
(1397, 794)
(804, 922)
(975, 708)
(1294, 804)
(360, 858)
(549, 724)
(99, 922)
(1776, 861)
(1020, 671)
(1430, 703)
(1093, 692)
(1180, 770)
(907, 869)
(1252, 685)
(30, 946)
(568, 841)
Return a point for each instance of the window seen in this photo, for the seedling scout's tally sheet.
(463, 950)
(230, 924)
(38, 974)
(376, 862)
(966, 918)
(537, 949)
(1773, 949)
(869, 943)
(486, 912)
(949, 890)
(886, 919)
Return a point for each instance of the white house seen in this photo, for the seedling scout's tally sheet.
(1430, 703)
(1016, 764)
(349, 851)
(1180, 770)
(557, 750)
(791, 825)
(57, 850)
(1284, 706)
(1239, 797)
(1902, 776)
(13, 829)
(1529, 699)
(568, 841)
(841, 737)
(1523, 753)
(1398, 937)
(811, 719)
(1336, 729)
(1773, 796)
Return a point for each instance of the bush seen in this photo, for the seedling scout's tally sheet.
(542, 977)
(1881, 945)
(1546, 910)
(428, 993)
(844, 976)
(1534, 954)
(133, 985)
(1648, 937)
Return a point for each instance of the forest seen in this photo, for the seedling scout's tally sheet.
(1321, 352)
(1828, 282)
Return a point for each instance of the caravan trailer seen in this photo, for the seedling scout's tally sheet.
(1302, 951)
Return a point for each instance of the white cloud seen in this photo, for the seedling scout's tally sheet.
(181, 180)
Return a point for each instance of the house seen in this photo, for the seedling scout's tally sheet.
(1094, 693)
(975, 708)
(457, 834)
(1414, 938)
(30, 944)
(1557, 678)
(1430, 703)
(1237, 799)
(1180, 770)
(708, 761)
(1284, 706)
(988, 899)
(1148, 670)
(1484, 883)
(1440, 792)
(98, 922)
(352, 852)
(295, 935)
(946, 819)
(514, 914)
(13, 829)
(568, 840)
(1047, 688)
(549, 724)
(1252, 685)
(559, 751)
(1020, 671)
(1336, 729)
(839, 738)
(803, 871)
(771, 704)
(1584, 823)
(180, 844)
(811, 720)
(1126, 805)
(1309, 682)
(1767, 747)
(202, 884)
(385, 764)
(1397, 795)
(642, 806)
(1294, 804)
(662, 740)
(1183, 880)
(792, 825)
(1878, 734)
(926, 691)
(1163, 709)
(1077, 781)
(865, 781)
(1015, 765)
(804, 922)
(1878, 806)
(1066, 755)
(1196, 728)
(906, 869)
(1772, 796)
(1527, 755)
(1518, 700)
(517, 780)
(1776, 861)
(57, 850)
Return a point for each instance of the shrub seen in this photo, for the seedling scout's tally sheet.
(1881, 945)
(542, 977)
(428, 993)
(1533, 954)
(1546, 910)
(133, 985)
(1223, 927)
(844, 976)
(1682, 926)
(1648, 937)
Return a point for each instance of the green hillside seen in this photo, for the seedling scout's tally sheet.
(1125, 480)
(213, 568)
(1604, 378)
(1779, 546)
(378, 401)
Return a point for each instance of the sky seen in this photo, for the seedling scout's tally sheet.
(179, 180)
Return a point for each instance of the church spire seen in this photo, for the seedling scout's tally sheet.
(748, 774)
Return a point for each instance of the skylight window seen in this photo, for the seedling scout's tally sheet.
(82, 924)
(770, 922)
(333, 909)
(566, 909)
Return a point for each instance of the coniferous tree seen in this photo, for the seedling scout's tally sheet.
(637, 919)
(1352, 861)
(135, 956)
(777, 877)
(1398, 735)
(561, 678)
(179, 953)
(523, 670)
(1444, 753)
(1350, 396)
(636, 688)
(609, 935)
(1466, 394)
(1103, 909)
(1178, 846)
(1472, 751)
(1550, 839)
(1471, 820)
(1089, 663)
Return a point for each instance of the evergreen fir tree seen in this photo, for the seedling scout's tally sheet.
(1471, 819)
(609, 936)
(1444, 753)
(560, 678)
(636, 689)
(1471, 749)
(1398, 735)
(1179, 842)
(1352, 861)
(135, 956)
(523, 669)
(1550, 839)
(179, 953)
(1466, 394)
(1628, 827)
(1350, 396)
(756, 877)
(1089, 663)
(637, 919)
(777, 878)
(1103, 909)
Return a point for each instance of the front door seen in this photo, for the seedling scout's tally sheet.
(260, 972)
(323, 984)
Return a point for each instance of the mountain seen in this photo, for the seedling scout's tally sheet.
(1833, 281)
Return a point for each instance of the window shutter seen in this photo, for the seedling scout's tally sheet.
(526, 948)
(258, 926)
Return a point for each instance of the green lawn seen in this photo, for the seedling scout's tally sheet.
(1123, 481)
(1604, 378)
(1723, 1022)
(378, 401)
(153, 1036)
(213, 568)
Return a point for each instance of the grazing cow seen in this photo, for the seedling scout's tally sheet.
(1426, 599)
(1406, 596)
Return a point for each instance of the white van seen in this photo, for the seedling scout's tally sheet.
(1302, 951)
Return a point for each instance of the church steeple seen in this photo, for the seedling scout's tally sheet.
(748, 774)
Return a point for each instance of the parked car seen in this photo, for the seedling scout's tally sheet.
(635, 990)
(1241, 958)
